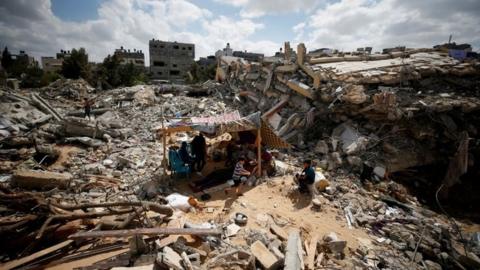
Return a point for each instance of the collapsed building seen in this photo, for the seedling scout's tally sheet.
(97, 194)
(407, 114)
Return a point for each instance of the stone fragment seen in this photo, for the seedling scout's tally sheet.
(334, 161)
(432, 265)
(170, 258)
(32, 179)
(137, 245)
(266, 258)
(278, 231)
(321, 147)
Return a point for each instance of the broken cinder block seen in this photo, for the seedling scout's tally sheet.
(32, 179)
(266, 258)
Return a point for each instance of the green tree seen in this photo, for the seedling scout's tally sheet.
(110, 70)
(116, 74)
(7, 60)
(32, 77)
(202, 73)
(49, 77)
(131, 75)
(76, 65)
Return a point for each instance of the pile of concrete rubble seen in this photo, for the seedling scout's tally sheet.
(392, 113)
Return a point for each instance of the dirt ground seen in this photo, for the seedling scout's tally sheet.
(278, 199)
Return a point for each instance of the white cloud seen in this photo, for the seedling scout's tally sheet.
(349, 24)
(346, 24)
(255, 8)
(299, 31)
(31, 26)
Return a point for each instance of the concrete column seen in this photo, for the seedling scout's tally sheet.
(301, 51)
(286, 50)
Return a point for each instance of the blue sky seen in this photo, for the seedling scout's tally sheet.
(43, 27)
(278, 26)
(74, 10)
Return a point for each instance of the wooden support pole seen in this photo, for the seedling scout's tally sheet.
(259, 150)
(164, 144)
(146, 231)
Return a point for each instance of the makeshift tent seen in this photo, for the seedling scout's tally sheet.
(218, 125)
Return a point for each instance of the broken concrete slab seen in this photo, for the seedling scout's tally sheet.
(42, 180)
(170, 258)
(266, 258)
(294, 251)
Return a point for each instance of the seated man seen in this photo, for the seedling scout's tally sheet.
(240, 176)
(306, 178)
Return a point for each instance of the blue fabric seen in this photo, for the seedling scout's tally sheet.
(183, 152)
(309, 175)
(176, 163)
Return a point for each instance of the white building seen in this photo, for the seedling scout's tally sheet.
(227, 51)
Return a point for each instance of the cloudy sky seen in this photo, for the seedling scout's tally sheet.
(43, 27)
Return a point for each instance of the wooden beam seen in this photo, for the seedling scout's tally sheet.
(36, 255)
(145, 231)
(276, 108)
(259, 151)
(300, 88)
(315, 75)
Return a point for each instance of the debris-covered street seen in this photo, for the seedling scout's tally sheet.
(392, 140)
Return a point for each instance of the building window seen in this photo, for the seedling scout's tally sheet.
(174, 65)
(189, 48)
(176, 47)
(159, 63)
(183, 48)
(159, 73)
(174, 72)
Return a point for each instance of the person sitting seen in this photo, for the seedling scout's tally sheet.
(184, 155)
(240, 176)
(306, 178)
(268, 164)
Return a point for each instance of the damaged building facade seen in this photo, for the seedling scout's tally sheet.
(135, 57)
(170, 60)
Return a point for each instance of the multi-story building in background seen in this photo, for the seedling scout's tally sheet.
(51, 64)
(170, 60)
(249, 56)
(135, 57)
(227, 51)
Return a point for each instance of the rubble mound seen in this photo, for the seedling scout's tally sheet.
(68, 88)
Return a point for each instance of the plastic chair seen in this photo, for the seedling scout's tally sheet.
(176, 164)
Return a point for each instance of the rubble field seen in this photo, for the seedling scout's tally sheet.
(393, 138)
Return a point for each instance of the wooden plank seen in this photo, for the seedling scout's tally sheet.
(311, 251)
(300, 88)
(36, 255)
(276, 108)
(145, 231)
(87, 261)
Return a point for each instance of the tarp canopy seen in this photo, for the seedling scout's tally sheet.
(229, 122)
